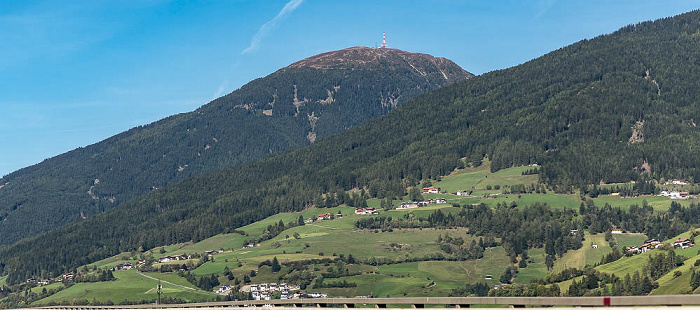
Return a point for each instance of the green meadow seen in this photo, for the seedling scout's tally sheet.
(536, 268)
(477, 179)
(586, 255)
(128, 286)
(670, 284)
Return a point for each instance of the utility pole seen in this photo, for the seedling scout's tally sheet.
(160, 291)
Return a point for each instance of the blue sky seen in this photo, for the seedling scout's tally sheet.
(73, 73)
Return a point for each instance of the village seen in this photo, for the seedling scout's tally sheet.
(682, 243)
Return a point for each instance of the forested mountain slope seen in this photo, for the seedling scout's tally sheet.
(293, 107)
(618, 107)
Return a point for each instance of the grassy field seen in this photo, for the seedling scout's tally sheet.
(668, 284)
(3, 281)
(235, 240)
(629, 239)
(659, 203)
(477, 179)
(586, 255)
(632, 264)
(128, 286)
(534, 270)
(430, 278)
(334, 237)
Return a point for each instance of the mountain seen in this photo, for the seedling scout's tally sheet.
(309, 100)
(619, 107)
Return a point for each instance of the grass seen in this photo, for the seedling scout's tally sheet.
(631, 264)
(659, 203)
(477, 179)
(630, 239)
(38, 289)
(586, 255)
(668, 284)
(235, 241)
(3, 281)
(427, 278)
(128, 286)
(334, 237)
(534, 270)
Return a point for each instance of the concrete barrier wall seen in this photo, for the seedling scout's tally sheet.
(424, 302)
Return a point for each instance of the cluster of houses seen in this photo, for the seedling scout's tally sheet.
(416, 204)
(223, 290)
(676, 182)
(366, 211)
(265, 291)
(170, 258)
(67, 277)
(682, 243)
(648, 245)
(123, 266)
(323, 217)
(675, 194)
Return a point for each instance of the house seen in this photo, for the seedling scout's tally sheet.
(212, 252)
(594, 246)
(678, 182)
(366, 211)
(683, 243)
(309, 220)
(142, 261)
(254, 288)
(439, 201)
(653, 243)
(223, 290)
(431, 190)
(407, 205)
(488, 277)
(164, 259)
(632, 249)
(678, 195)
(616, 231)
(462, 193)
(573, 232)
(123, 266)
(339, 215)
(324, 217)
(178, 257)
(665, 193)
(44, 282)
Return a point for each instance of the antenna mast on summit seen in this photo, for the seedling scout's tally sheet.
(383, 39)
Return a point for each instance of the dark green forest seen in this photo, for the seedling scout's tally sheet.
(228, 131)
(615, 108)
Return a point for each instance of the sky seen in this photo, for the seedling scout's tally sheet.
(73, 73)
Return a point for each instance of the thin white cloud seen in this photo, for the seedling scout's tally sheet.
(267, 27)
(543, 7)
(220, 90)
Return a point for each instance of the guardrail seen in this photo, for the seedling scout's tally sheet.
(422, 302)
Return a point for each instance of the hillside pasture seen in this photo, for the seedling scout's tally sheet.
(586, 255)
(129, 286)
(669, 284)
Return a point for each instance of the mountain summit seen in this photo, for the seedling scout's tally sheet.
(383, 59)
(292, 107)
